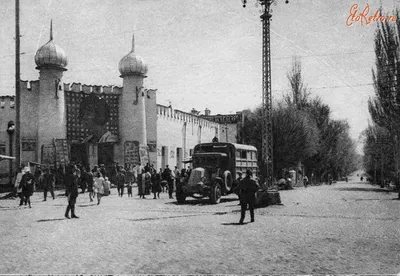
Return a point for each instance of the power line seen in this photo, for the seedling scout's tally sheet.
(330, 87)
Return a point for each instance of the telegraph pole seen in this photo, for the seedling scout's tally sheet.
(17, 88)
(267, 143)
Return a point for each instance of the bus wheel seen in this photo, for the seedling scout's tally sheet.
(215, 193)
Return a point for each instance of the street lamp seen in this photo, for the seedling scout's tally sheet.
(267, 148)
(10, 131)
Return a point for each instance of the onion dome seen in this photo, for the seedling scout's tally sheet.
(132, 64)
(51, 55)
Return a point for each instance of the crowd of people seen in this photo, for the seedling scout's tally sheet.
(96, 182)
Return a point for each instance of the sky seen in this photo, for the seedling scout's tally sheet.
(206, 53)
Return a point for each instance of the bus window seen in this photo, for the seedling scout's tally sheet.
(243, 154)
(238, 154)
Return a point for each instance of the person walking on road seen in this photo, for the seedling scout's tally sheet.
(90, 185)
(120, 179)
(248, 188)
(71, 191)
(167, 175)
(28, 184)
(99, 186)
(49, 181)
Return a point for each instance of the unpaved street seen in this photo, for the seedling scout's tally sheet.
(344, 228)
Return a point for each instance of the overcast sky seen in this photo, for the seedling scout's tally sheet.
(203, 54)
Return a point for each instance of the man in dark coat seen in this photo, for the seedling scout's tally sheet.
(167, 175)
(49, 181)
(248, 188)
(121, 180)
(71, 191)
(28, 184)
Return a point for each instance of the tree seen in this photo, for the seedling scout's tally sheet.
(385, 106)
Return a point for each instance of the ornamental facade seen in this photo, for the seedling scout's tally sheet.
(96, 124)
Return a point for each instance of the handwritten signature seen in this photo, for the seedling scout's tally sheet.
(364, 17)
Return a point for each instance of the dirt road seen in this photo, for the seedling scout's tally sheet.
(344, 228)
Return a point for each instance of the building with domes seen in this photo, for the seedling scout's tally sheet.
(98, 124)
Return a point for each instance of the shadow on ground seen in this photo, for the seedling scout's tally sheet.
(46, 220)
(202, 201)
(234, 223)
(361, 189)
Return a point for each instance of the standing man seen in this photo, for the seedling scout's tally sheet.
(38, 176)
(49, 182)
(71, 191)
(248, 188)
(120, 179)
(167, 175)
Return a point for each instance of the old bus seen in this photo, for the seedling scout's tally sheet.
(215, 167)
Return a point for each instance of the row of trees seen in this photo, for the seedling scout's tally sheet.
(304, 133)
(382, 139)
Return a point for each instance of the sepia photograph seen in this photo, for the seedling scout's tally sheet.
(177, 137)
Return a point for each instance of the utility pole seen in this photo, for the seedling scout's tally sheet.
(17, 88)
(267, 143)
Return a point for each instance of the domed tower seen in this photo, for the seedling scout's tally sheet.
(51, 62)
(132, 113)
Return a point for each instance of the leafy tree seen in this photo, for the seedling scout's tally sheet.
(385, 106)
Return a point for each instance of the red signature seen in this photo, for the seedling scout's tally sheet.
(364, 18)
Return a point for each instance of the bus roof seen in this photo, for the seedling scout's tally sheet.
(237, 146)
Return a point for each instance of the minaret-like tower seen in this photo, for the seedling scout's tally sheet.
(132, 113)
(51, 62)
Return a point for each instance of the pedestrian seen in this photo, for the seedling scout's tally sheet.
(84, 179)
(28, 183)
(129, 187)
(71, 191)
(120, 179)
(99, 186)
(107, 186)
(38, 176)
(148, 184)
(90, 184)
(103, 170)
(167, 175)
(49, 181)
(305, 181)
(18, 186)
(248, 188)
(156, 184)
(141, 184)
(177, 175)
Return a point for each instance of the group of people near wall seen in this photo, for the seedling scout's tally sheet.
(97, 182)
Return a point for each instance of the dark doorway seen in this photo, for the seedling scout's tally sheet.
(105, 153)
(79, 154)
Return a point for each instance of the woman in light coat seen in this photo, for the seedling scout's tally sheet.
(99, 186)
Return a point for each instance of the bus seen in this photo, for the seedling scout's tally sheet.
(215, 168)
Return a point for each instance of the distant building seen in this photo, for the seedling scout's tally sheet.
(95, 124)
